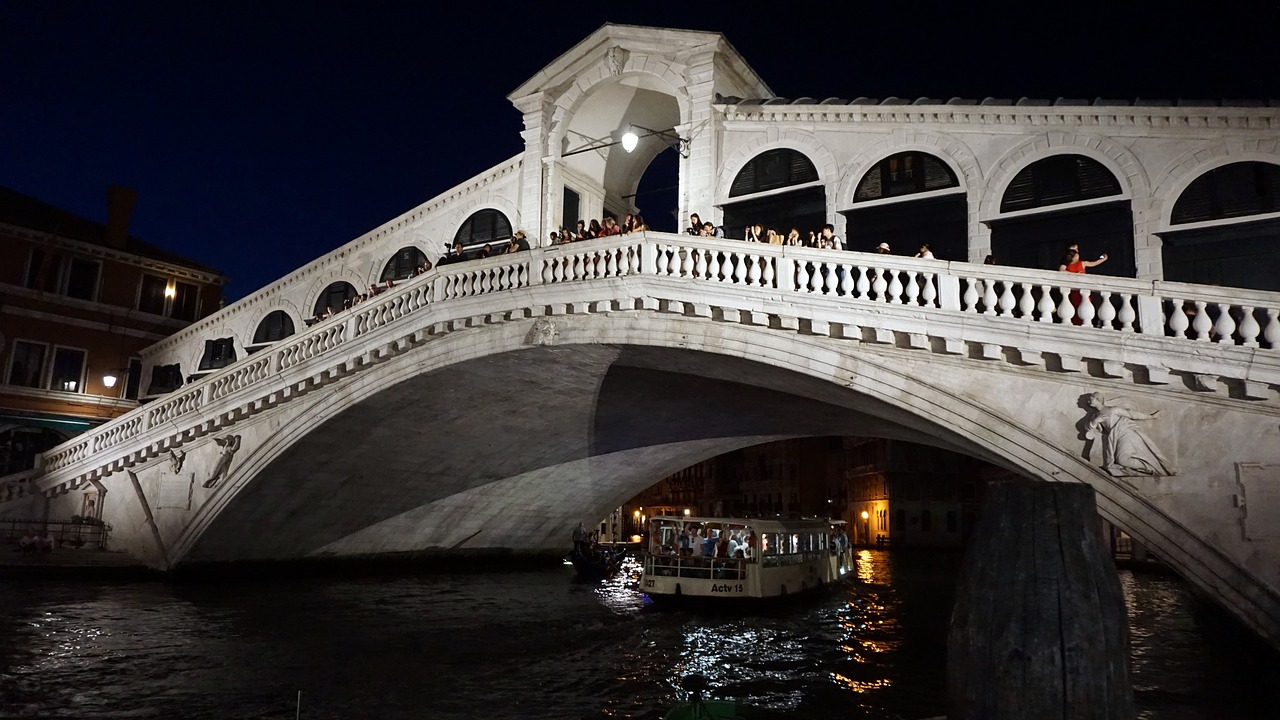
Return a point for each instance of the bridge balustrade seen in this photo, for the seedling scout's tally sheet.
(1177, 311)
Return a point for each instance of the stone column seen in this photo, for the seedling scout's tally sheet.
(700, 125)
(537, 109)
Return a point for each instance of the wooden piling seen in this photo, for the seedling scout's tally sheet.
(1039, 628)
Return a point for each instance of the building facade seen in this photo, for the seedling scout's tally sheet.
(79, 300)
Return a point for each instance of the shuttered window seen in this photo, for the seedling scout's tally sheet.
(904, 174)
(1235, 190)
(1057, 180)
(485, 226)
(403, 263)
(277, 325)
(335, 296)
(773, 169)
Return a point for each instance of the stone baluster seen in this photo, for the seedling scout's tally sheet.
(1006, 302)
(739, 268)
(548, 270)
(1086, 311)
(1106, 310)
(895, 288)
(879, 285)
(1201, 323)
(767, 274)
(970, 298)
(1046, 306)
(754, 273)
(611, 263)
(1178, 321)
(1249, 327)
(713, 267)
(1225, 326)
(1128, 313)
(913, 288)
(700, 265)
(1272, 331)
(686, 262)
(663, 268)
(846, 280)
(802, 276)
(1027, 302)
(826, 280)
(863, 285)
(1066, 311)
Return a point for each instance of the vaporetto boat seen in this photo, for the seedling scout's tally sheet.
(740, 558)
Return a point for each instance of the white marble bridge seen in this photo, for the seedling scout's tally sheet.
(492, 404)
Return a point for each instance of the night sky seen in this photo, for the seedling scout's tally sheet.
(260, 135)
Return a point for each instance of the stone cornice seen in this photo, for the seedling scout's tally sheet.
(1190, 118)
(107, 253)
(337, 256)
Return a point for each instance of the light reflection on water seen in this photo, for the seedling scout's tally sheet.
(538, 644)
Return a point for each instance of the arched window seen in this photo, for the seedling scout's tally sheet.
(1057, 180)
(804, 208)
(218, 353)
(335, 296)
(1239, 252)
(1230, 191)
(941, 220)
(904, 174)
(484, 226)
(403, 263)
(277, 325)
(164, 379)
(773, 169)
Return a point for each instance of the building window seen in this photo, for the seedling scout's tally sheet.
(26, 364)
(165, 378)
(773, 169)
(151, 297)
(485, 226)
(335, 297)
(75, 277)
(1057, 180)
(218, 353)
(904, 174)
(403, 264)
(1235, 190)
(67, 371)
(133, 383)
(160, 296)
(277, 325)
(82, 278)
(569, 211)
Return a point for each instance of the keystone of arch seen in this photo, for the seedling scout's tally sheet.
(1122, 163)
(950, 150)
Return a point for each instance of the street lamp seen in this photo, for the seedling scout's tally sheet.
(109, 381)
(631, 140)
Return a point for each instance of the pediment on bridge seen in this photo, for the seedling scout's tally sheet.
(611, 46)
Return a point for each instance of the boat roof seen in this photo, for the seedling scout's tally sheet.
(758, 523)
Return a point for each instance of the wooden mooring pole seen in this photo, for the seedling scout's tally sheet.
(1039, 628)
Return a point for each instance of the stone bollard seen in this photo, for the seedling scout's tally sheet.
(1039, 628)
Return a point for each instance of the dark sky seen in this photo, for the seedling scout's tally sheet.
(261, 135)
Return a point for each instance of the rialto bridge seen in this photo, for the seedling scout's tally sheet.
(492, 404)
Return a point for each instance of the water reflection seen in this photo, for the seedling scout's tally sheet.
(537, 644)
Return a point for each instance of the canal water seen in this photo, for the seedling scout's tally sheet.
(536, 644)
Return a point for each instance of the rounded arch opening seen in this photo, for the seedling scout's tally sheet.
(906, 199)
(334, 297)
(1059, 201)
(403, 264)
(778, 188)
(277, 325)
(483, 227)
(1222, 240)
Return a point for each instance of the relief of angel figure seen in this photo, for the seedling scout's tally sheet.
(1126, 450)
(229, 444)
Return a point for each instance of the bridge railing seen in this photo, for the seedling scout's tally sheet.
(1189, 313)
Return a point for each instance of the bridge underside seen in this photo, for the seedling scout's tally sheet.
(513, 450)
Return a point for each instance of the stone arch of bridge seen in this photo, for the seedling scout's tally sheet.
(869, 388)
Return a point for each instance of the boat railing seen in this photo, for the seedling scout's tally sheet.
(702, 568)
(794, 558)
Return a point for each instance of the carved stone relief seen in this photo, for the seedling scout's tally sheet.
(617, 58)
(230, 445)
(1126, 448)
(543, 332)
